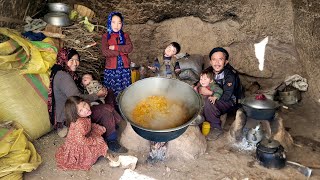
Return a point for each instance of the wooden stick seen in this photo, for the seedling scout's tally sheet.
(11, 20)
(25, 13)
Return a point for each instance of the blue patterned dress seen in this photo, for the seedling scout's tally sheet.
(117, 79)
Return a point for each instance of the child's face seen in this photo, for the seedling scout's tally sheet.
(170, 51)
(86, 79)
(116, 24)
(83, 109)
(205, 80)
(218, 61)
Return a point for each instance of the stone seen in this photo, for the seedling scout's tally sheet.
(280, 134)
(223, 119)
(189, 146)
(235, 131)
(132, 141)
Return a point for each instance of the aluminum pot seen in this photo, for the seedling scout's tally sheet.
(290, 97)
(255, 135)
(59, 7)
(259, 107)
(156, 86)
(57, 19)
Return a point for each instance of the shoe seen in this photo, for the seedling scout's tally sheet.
(62, 132)
(114, 161)
(115, 147)
(214, 134)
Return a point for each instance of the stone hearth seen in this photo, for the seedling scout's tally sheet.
(273, 129)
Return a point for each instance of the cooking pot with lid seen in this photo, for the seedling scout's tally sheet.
(259, 107)
(271, 154)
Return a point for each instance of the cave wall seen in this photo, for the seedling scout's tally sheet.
(251, 22)
(199, 25)
(307, 41)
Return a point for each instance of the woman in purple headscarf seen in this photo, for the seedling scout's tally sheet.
(116, 45)
(64, 82)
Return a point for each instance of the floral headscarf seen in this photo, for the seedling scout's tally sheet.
(109, 28)
(63, 57)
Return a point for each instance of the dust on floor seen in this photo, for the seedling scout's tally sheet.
(221, 161)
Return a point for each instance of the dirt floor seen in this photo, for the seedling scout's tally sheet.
(221, 161)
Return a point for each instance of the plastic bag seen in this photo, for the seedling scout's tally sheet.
(17, 155)
(24, 80)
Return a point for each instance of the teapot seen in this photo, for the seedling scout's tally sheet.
(271, 154)
(255, 135)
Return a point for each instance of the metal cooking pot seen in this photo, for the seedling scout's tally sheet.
(259, 107)
(290, 97)
(271, 154)
(57, 19)
(59, 7)
(255, 135)
(156, 86)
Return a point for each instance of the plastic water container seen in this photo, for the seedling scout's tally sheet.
(205, 128)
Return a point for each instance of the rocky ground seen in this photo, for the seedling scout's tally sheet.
(221, 160)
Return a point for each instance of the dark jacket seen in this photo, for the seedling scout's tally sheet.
(229, 83)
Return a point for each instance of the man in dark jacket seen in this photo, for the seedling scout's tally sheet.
(227, 79)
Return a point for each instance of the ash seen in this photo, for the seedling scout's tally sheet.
(244, 145)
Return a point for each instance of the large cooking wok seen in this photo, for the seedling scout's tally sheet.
(155, 86)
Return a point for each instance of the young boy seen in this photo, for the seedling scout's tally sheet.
(166, 65)
(92, 86)
(207, 81)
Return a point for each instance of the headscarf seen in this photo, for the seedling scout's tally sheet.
(64, 55)
(109, 28)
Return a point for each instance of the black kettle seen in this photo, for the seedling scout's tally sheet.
(271, 154)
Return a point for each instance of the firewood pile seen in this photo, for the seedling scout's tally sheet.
(88, 44)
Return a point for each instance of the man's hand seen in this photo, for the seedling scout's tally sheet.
(152, 68)
(212, 99)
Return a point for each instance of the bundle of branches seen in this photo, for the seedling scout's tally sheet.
(88, 44)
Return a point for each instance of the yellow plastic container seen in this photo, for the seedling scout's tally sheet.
(135, 75)
(205, 128)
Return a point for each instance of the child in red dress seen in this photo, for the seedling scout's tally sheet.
(84, 143)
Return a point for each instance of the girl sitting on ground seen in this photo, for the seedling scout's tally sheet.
(84, 143)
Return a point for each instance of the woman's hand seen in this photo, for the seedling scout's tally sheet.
(204, 91)
(111, 47)
(103, 92)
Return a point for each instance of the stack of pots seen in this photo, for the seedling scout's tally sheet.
(58, 14)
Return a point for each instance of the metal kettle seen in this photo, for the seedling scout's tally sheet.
(255, 135)
(271, 154)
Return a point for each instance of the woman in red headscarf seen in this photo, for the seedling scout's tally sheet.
(64, 82)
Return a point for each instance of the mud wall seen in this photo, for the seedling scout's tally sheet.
(290, 25)
(307, 41)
